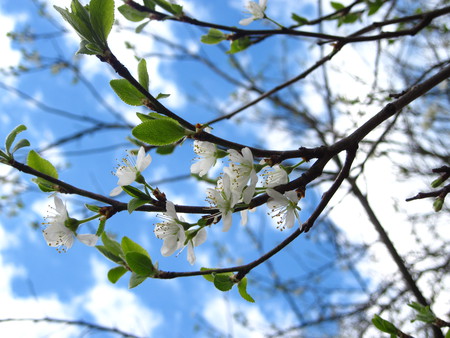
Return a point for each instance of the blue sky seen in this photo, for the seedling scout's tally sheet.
(37, 281)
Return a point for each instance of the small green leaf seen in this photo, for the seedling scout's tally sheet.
(115, 273)
(223, 281)
(213, 37)
(132, 14)
(141, 27)
(102, 17)
(438, 204)
(165, 150)
(209, 278)
(162, 96)
(101, 227)
(78, 19)
(44, 185)
(424, 313)
(35, 161)
(12, 136)
(242, 288)
(108, 254)
(129, 246)
(383, 325)
(171, 8)
(140, 264)
(374, 6)
(127, 92)
(337, 5)
(239, 45)
(447, 335)
(135, 203)
(112, 245)
(4, 155)
(437, 182)
(143, 74)
(159, 132)
(135, 280)
(149, 4)
(83, 48)
(135, 192)
(299, 19)
(92, 207)
(20, 144)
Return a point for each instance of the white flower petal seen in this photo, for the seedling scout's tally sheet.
(142, 161)
(116, 191)
(88, 239)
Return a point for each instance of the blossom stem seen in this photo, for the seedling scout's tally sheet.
(89, 219)
(273, 21)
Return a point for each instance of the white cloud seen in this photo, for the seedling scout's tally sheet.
(109, 305)
(116, 307)
(218, 311)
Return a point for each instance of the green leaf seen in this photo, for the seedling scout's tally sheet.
(159, 132)
(213, 37)
(299, 19)
(437, 182)
(135, 203)
(83, 48)
(132, 14)
(242, 288)
(438, 204)
(129, 246)
(102, 17)
(424, 313)
(143, 74)
(350, 18)
(135, 192)
(92, 207)
(337, 5)
(20, 144)
(101, 227)
(209, 278)
(223, 281)
(35, 161)
(4, 155)
(162, 96)
(171, 8)
(127, 92)
(140, 264)
(79, 20)
(135, 280)
(149, 4)
(12, 136)
(44, 185)
(447, 335)
(108, 254)
(165, 150)
(374, 6)
(239, 45)
(112, 245)
(115, 273)
(384, 325)
(141, 27)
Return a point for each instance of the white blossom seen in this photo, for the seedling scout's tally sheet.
(276, 176)
(199, 238)
(255, 10)
(57, 234)
(284, 206)
(224, 199)
(171, 231)
(131, 169)
(241, 171)
(208, 152)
